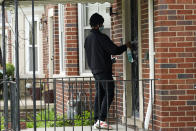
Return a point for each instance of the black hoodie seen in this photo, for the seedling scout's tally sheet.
(99, 48)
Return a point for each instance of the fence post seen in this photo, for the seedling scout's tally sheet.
(5, 92)
(13, 98)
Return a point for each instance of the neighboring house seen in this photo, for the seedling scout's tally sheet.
(25, 42)
(164, 31)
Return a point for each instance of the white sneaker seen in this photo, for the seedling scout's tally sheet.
(102, 125)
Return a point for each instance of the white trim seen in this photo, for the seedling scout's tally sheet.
(151, 63)
(50, 42)
(81, 28)
(80, 37)
(61, 38)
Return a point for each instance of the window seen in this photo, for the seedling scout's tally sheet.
(85, 12)
(29, 44)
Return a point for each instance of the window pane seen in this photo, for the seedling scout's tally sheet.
(106, 15)
(90, 9)
(99, 8)
(31, 59)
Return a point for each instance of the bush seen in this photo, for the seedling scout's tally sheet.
(50, 118)
(10, 70)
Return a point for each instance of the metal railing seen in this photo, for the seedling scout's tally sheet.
(68, 104)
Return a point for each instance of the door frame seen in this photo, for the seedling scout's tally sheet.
(126, 18)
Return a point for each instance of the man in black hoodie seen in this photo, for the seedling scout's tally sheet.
(98, 49)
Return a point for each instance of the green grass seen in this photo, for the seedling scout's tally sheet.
(48, 120)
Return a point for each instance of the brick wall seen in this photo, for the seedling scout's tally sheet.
(71, 37)
(175, 65)
(118, 66)
(56, 42)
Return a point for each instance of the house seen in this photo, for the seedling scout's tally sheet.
(163, 33)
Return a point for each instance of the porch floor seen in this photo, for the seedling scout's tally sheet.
(85, 128)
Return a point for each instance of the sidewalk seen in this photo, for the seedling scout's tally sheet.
(79, 128)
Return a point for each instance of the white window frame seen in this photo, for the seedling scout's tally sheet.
(81, 28)
(61, 38)
(27, 62)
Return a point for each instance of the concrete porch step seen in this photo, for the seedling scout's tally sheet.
(85, 128)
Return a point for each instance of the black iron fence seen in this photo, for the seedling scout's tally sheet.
(68, 104)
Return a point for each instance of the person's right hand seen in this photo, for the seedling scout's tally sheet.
(128, 44)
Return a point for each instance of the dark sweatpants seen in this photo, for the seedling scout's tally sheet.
(104, 95)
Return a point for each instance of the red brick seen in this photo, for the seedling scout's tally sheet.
(163, 34)
(184, 33)
(167, 1)
(165, 39)
(185, 65)
(169, 129)
(176, 49)
(186, 97)
(185, 87)
(176, 70)
(190, 70)
(185, 54)
(164, 60)
(159, 18)
(177, 81)
(164, 86)
(185, 108)
(191, 123)
(162, 71)
(177, 113)
(166, 23)
(169, 109)
(177, 124)
(176, 6)
(184, 1)
(185, 118)
(191, 81)
(176, 60)
(191, 91)
(190, 49)
(190, 28)
(165, 55)
(180, 12)
(177, 103)
(176, 39)
(190, 6)
(177, 28)
(166, 45)
(168, 119)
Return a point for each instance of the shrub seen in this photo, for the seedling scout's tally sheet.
(79, 120)
(10, 70)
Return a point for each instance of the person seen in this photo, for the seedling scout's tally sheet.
(99, 48)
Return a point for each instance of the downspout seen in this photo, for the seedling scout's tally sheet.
(151, 62)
